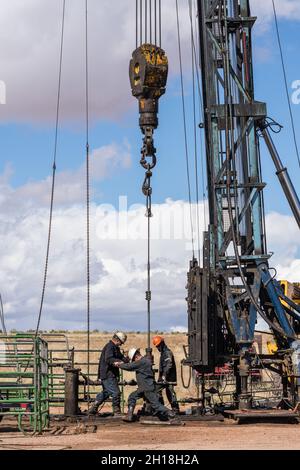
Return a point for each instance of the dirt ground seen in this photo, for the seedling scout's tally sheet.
(192, 436)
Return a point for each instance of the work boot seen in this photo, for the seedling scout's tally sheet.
(129, 418)
(175, 409)
(94, 409)
(171, 415)
(117, 411)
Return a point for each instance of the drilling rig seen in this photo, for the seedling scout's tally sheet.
(235, 284)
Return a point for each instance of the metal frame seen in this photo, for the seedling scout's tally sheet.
(24, 383)
(62, 359)
(239, 283)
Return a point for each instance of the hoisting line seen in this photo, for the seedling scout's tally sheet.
(286, 82)
(201, 125)
(53, 171)
(136, 22)
(147, 190)
(159, 13)
(148, 150)
(155, 25)
(88, 275)
(149, 16)
(185, 130)
(195, 127)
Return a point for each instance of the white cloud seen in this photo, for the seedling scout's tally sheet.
(283, 240)
(29, 36)
(178, 329)
(70, 184)
(286, 9)
(117, 272)
(118, 263)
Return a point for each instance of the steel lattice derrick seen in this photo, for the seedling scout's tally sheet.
(235, 284)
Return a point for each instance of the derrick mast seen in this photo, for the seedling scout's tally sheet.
(234, 286)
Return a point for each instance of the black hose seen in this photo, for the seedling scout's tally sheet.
(182, 378)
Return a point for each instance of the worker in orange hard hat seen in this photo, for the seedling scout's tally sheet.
(167, 377)
(157, 340)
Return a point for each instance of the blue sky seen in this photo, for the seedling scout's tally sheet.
(28, 147)
(27, 138)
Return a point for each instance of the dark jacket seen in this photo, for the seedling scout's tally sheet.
(144, 373)
(110, 353)
(167, 365)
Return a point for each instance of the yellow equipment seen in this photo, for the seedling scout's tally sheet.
(291, 290)
(272, 347)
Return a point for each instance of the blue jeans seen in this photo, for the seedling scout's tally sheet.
(152, 397)
(110, 389)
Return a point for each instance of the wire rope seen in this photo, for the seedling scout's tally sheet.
(53, 171)
(185, 129)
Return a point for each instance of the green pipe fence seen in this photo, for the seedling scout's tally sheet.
(62, 356)
(24, 385)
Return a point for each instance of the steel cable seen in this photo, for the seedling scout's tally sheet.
(198, 70)
(141, 22)
(53, 171)
(286, 82)
(136, 22)
(195, 128)
(159, 21)
(150, 14)
(155, 21)
(149, 294)
(88, 276)
(148, 22)
(185, 129)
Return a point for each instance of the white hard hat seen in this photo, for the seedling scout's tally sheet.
(132, 353)
(121, 336)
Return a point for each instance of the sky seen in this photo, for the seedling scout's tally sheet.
(29, 35)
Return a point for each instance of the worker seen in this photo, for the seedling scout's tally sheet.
(109, 374)
(146, 385)
(167, 372)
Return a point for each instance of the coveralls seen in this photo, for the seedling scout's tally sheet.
(146, 385)
(167, 369)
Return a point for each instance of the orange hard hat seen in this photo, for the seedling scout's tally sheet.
(157, 340)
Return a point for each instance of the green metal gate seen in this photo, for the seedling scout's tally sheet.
(24, 383)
